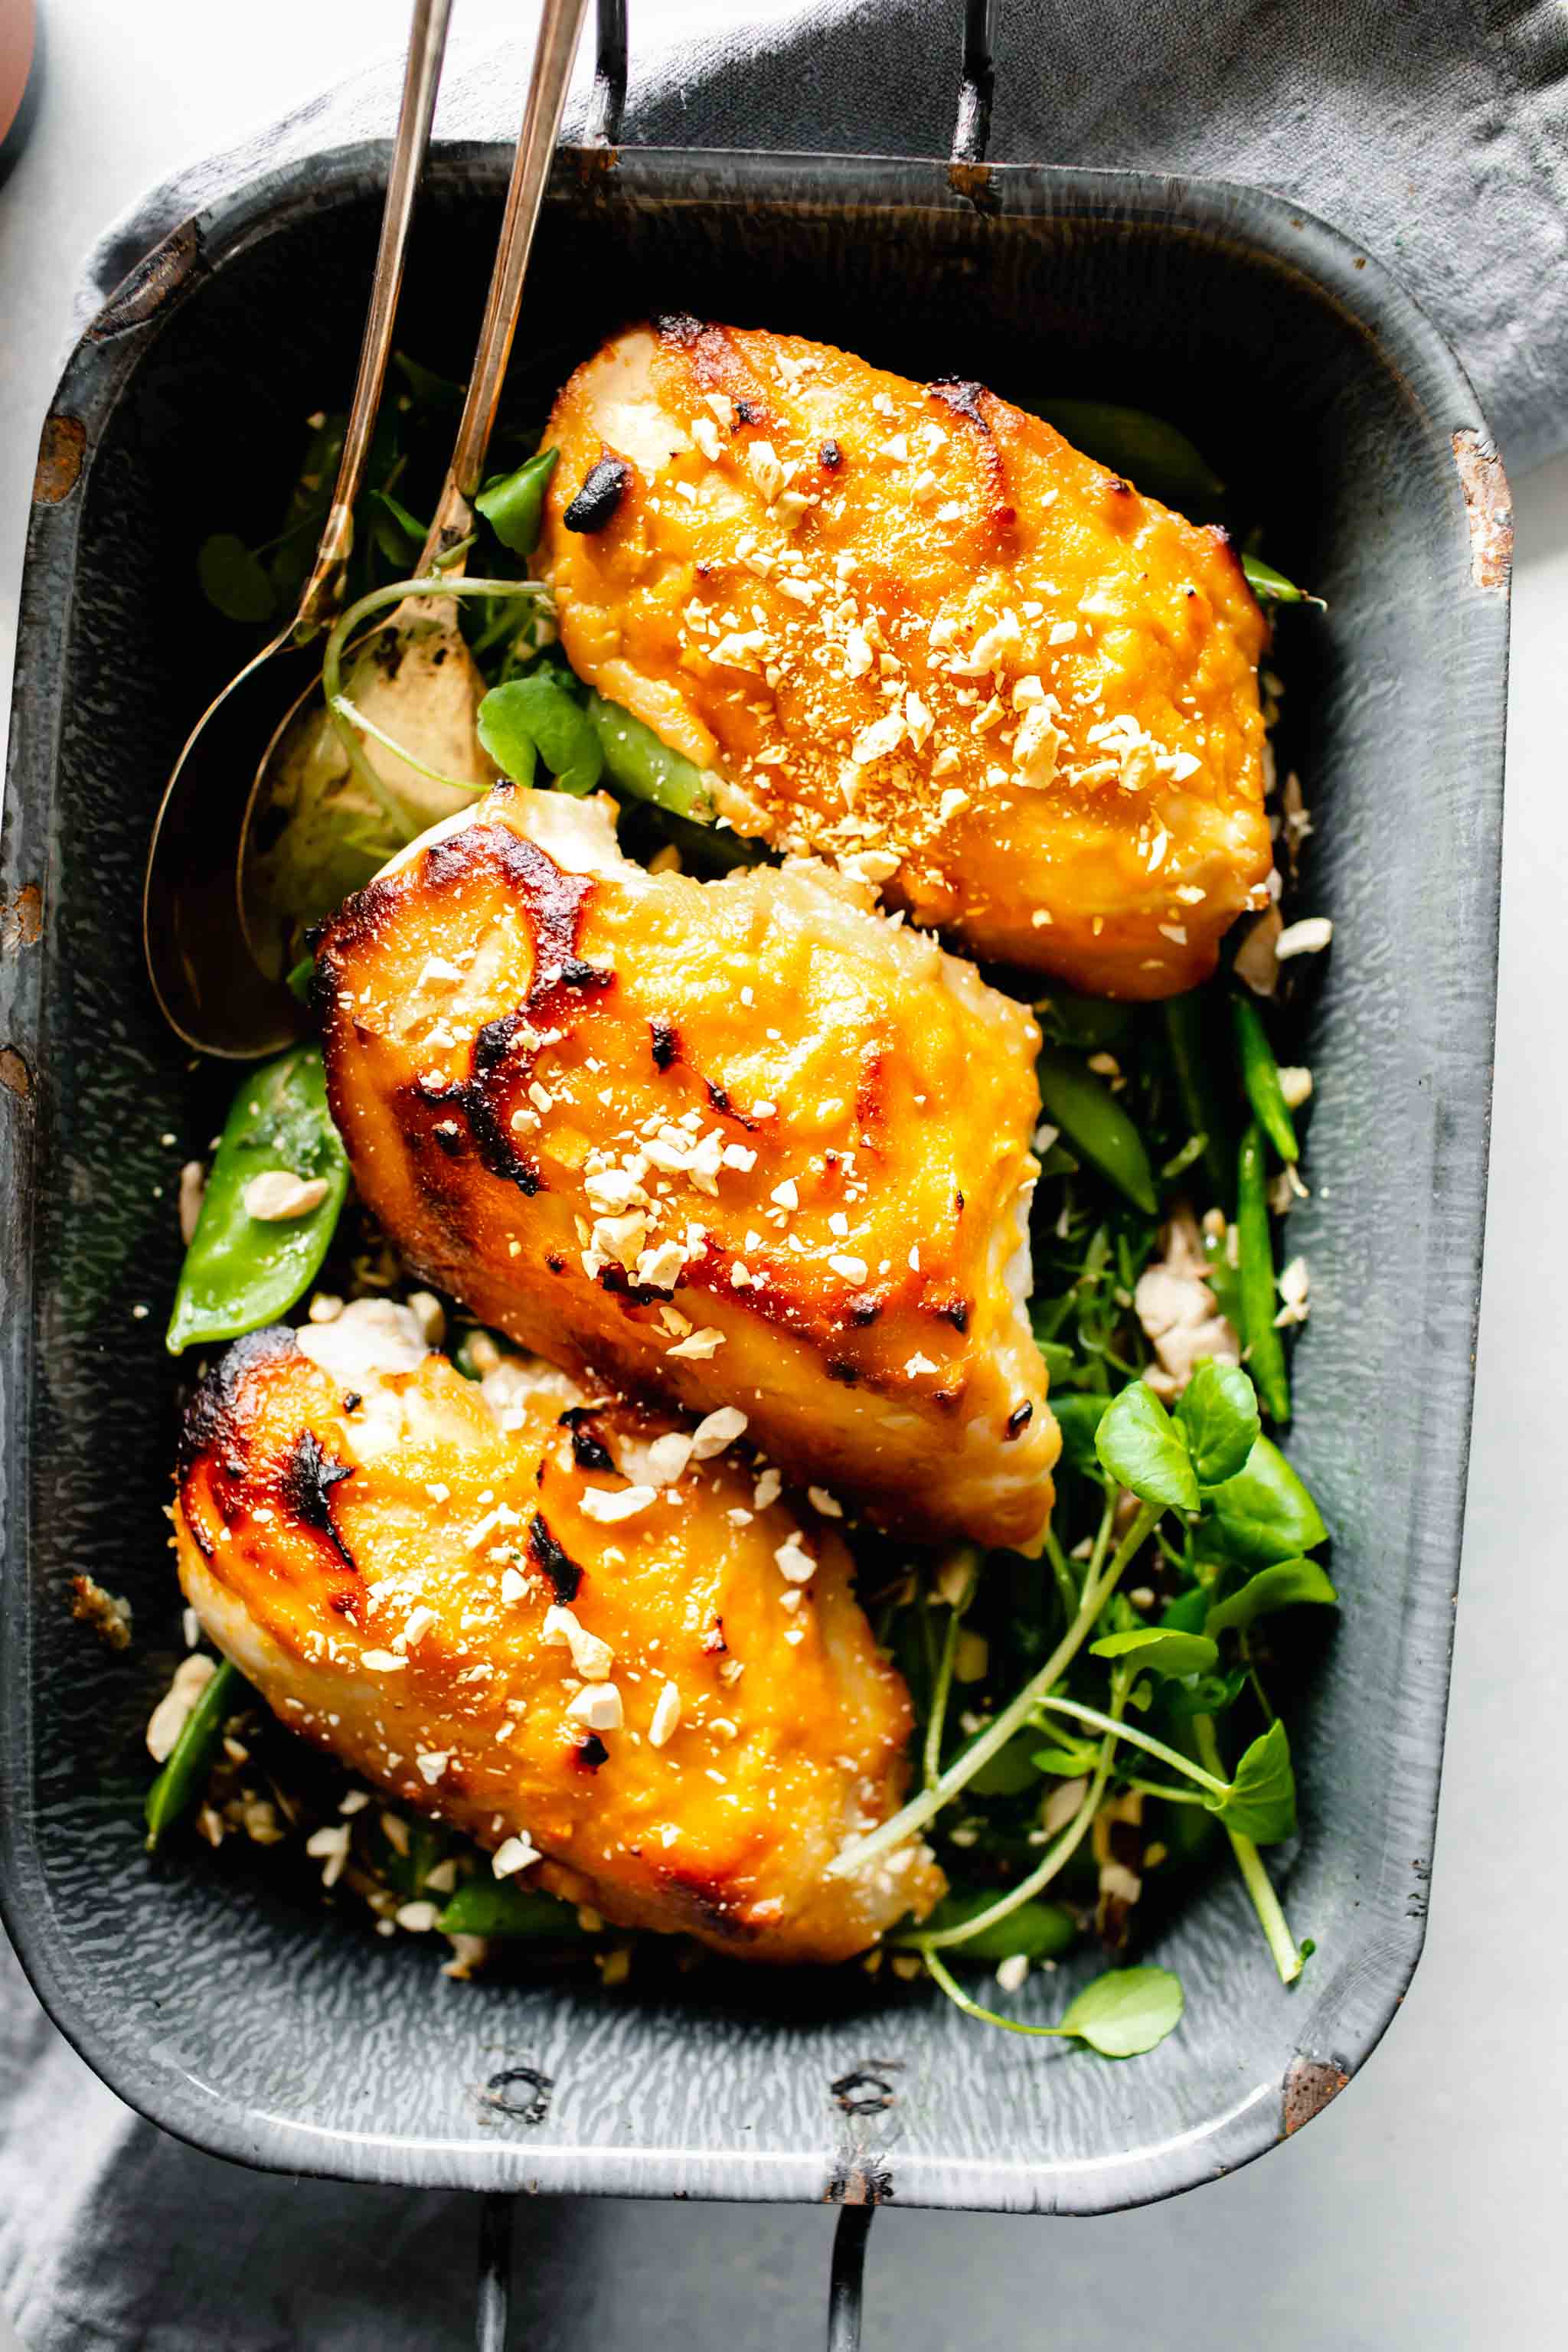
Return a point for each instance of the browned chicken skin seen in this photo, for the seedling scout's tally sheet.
(738, 1142)
(909, 627)
(509, 1609)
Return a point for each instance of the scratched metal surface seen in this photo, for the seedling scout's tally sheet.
(1337, 407)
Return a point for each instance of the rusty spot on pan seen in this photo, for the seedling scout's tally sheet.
(61, 449)
(972, 183)
(1309, 2084)
(1488, 510)
(22, 922)
(144, 290)
(15, 1075)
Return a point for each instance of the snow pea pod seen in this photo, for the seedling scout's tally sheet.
(1094, 1122)
(241, 1270)
(1256, 1284)
(1260, 1076)
(639, 762)
(1187, 1033)
(1271, 587)
(185, 1768)
(499, 1907)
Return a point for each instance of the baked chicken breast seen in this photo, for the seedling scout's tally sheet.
(743, 1142)
(562, 1624)
(909, 627)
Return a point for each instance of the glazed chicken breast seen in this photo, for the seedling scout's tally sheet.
(605, 1647)
(910, 628)
(743, 1142)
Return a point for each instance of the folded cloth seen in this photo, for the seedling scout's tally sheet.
(1433, 135)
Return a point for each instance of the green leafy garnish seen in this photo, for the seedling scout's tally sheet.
(1127, 2011)
(1218, 1416)
(234, 580)
(537, 715)
(1145, 1451)
(1160, 1649)
(1260, 1803)
(513, 504)
(1121, 2014)
(1264, 1514)
(1285, 1586)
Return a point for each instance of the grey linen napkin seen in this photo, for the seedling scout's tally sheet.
(1435, 134)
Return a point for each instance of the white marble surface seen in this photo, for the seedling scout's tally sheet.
(1421, 2210)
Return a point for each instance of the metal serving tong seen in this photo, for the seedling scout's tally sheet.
(207, 978)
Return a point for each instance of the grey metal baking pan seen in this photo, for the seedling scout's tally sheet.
(245, 2017)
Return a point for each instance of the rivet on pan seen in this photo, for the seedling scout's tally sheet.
(530, 2108)
(868, 2092)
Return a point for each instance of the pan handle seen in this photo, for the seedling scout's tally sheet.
(971, 133)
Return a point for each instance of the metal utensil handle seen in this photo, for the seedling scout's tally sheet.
(972, 131)
(493, 2305)
(560, 23)
(426, 46)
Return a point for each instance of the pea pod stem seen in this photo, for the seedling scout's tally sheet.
(942, 1683)
(185, 1768)
(1060, 1852)
(1097, 1721)
(944, 1977)
(919, 1809)
(1260, 1076)
(1256, 1280)
(1288, 1956)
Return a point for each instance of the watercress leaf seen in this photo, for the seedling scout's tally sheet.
(1186, 1614)
(513, 504)
(503, 733)
(299, 979)
(1218, 1411)
(1208, 1695)
(539, 709)
(1078, 1417)
(1038, 1930)
(1065, 1763)
(1261, 1800)
(432, 391)
(1159, 1649)
(397, 533)
(1264, 1514)
(1127, 2011)
(1144, 1450)
(1272, 587)
(1281, 1587)
(233, 580)
(1010, 1771)
(1061, 1363)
